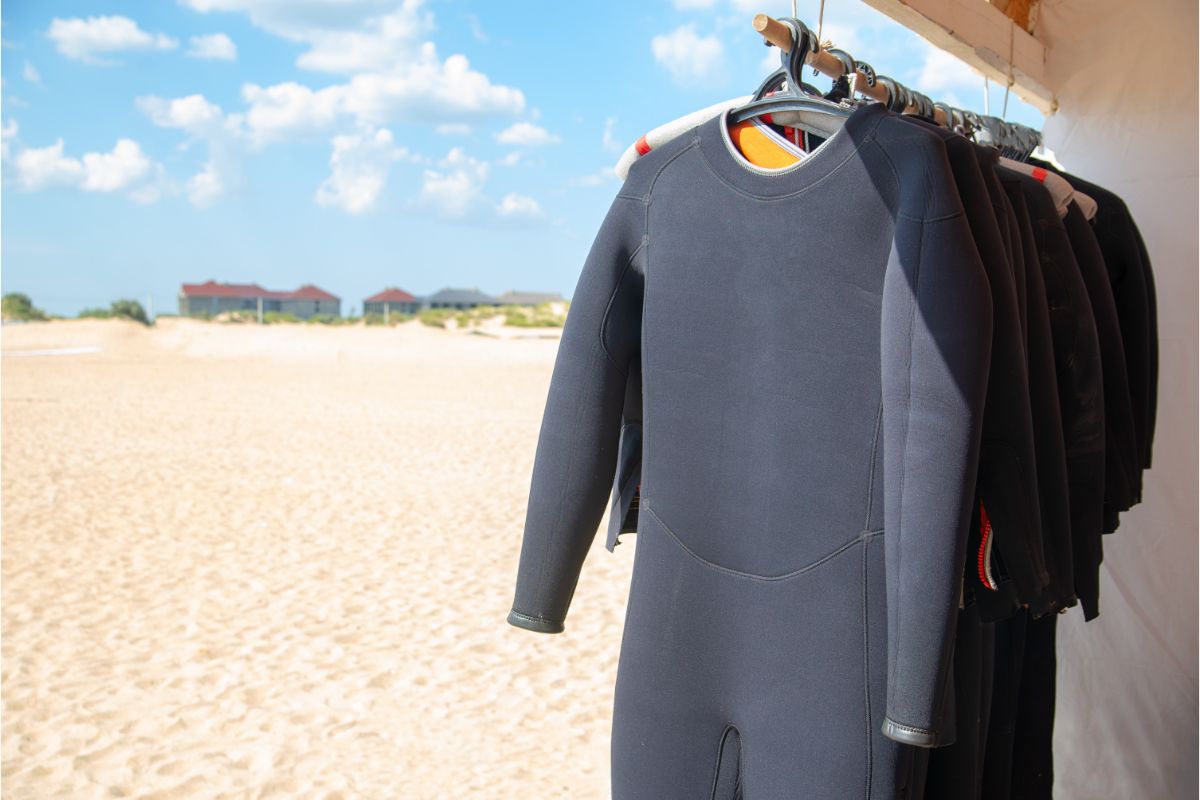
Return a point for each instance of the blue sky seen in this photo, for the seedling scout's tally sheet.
(358, 144)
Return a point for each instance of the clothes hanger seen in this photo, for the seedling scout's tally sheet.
(808, 111)
(843, 85)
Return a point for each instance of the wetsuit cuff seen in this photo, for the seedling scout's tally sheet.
(539, 624)
(907, 734)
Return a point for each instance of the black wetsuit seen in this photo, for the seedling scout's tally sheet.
(1132, 281)
(813, 346)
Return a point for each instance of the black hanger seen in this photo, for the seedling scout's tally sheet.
(820, 116)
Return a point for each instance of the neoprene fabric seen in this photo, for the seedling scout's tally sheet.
(1049, 444)
(1080, 386)
(813, 400)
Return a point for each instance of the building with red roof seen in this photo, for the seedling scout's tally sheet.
(399, 301)
(210, 298)
(391, 300)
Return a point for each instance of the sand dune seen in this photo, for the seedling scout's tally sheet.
(245, 561)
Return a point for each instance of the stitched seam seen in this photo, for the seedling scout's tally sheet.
(643, 350)
(908, 728)
(650, 189)
(533, 618)
(871, 468)
(891, 164)
(608, 307)
(923, 220)
(720, 752)
(863, 535)
(867, 668)
(928, 185)
(869, 138)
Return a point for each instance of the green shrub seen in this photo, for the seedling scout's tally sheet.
(393, 318)
(539, 316)
(15, 305)
(94, 313)
(435, 317)
(130, 309)
(273, 317)
(238, 317)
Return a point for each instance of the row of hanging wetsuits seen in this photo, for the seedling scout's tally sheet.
(871, 415)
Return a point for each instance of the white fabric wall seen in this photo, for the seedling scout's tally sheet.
(1127, 683)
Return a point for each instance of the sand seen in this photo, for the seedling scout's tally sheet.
(245, 561)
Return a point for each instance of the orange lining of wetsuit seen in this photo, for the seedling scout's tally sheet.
(758, 147)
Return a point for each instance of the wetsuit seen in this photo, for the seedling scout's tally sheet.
(1132, 281)
(814, 345)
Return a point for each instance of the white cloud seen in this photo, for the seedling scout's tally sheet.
(343, 37)
(476, 28)
(89, 39)
(511, 159)
(456, 190)
(294, 19)
(8, 133)
(126, 166)
(285, 109)
(688, 56)
(193, 113)
(213, 46)
(41, 167)
(519, 205)
(609, 141)
(206, 186)
(203, 121)
(359, 165)
(941, 72)
(526, 134)
(383, 43)
(108, 172)
(429, 90)
(31, 74)
(395, 75)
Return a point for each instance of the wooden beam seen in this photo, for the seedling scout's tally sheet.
(1022, 12)
(982, 36)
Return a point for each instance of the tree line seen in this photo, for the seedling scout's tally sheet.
(19, 306)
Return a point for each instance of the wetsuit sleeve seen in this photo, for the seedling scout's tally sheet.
(577, 446)
(936, 341)
(1151, 349)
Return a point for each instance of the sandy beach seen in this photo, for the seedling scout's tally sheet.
(254, 562)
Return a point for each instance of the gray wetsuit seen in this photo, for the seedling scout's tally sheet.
(813, 348)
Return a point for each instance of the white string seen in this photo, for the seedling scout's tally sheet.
(820, 27)
(986, 108)
(1012, 28)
